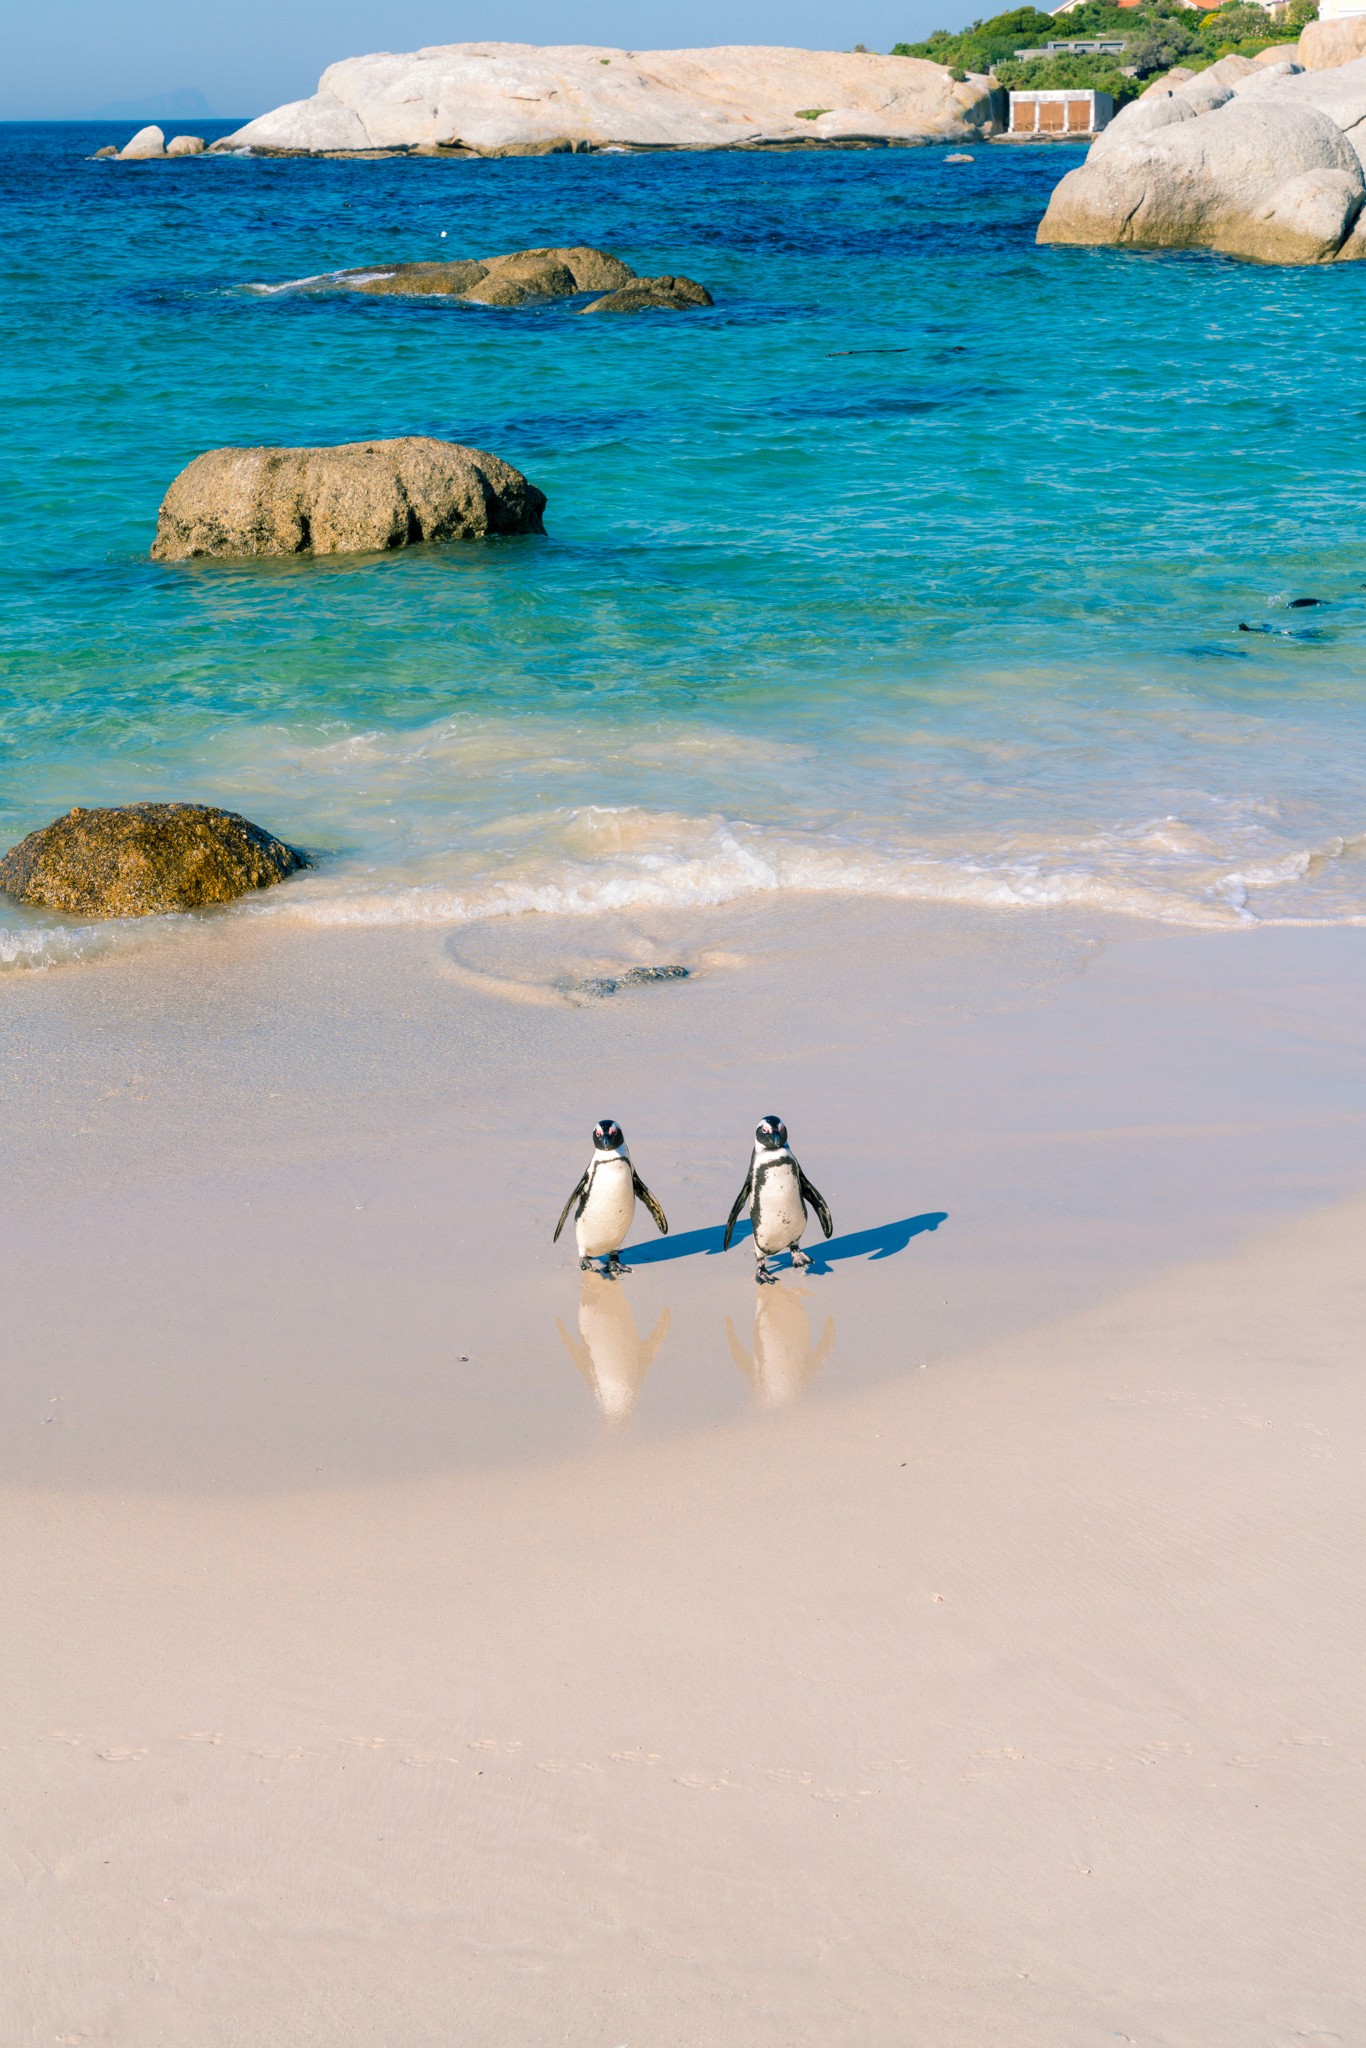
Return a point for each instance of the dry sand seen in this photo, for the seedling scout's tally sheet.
(969, 1652)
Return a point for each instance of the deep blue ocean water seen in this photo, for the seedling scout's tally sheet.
(915, 567)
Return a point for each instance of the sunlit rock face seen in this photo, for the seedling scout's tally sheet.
(1267, 165)
(492, 97)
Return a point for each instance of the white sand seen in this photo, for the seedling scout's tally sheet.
(1011, 1700)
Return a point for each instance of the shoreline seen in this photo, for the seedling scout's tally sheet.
(319, 1174)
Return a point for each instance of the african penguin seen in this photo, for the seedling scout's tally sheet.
(606, 1198)
(776, 1192)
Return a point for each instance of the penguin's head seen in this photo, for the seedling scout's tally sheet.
(771, 1134)
(607, 1135)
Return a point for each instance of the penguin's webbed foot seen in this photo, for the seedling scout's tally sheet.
(607, 1266)
(766, 1272)
(800, 1259)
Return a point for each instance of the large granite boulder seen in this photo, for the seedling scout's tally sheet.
(185, 145)
(357, 498)
(141, 860)
(1259, 164)
(1325, 44)
(654, 295)
(148, 142)
(492, 98)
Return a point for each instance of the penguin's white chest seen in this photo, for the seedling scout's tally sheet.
(779, 1211)
(611, 1203)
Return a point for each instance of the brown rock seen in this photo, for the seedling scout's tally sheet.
(108, 150)
(357, 498)
(654, 295)
(514, 280)
(185, 145)
(593, 270)
(141, 860)
(416, 280)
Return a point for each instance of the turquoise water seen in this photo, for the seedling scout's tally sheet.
(916, 567)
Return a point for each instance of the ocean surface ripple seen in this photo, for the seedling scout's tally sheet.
(921, 566)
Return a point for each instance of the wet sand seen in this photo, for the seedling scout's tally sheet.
(411, 1642)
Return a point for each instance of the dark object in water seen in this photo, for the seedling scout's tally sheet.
(1299, 604)
(632, 977)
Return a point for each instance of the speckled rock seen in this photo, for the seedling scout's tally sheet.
(357, 498)
(654, 295)
(141, 860)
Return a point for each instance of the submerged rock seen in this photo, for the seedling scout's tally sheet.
(358, 498)
(518, 99)
(654, 294)
(140, 860)
(414, 280)
(147, 142)
(1251, 161)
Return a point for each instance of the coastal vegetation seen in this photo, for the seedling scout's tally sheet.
(1157, 34)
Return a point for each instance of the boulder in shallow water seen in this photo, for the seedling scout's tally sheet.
(147, 142)
(654, 295)
(1264, 176)
(510, 280)
(516, 280)
(142, 860)
(108, 150)
(185, 145)
(358, 498)
(414, 280)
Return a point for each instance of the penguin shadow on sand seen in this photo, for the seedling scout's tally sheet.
(609, 1350)
(784, 1359)
(882, 1241)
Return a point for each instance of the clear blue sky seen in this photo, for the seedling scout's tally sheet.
(63, 57)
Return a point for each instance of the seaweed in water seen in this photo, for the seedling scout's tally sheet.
(597, 985)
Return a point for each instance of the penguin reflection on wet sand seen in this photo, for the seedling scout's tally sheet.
(610, 1352)
(784, 1359)
(776, 1192)
(606, 1198)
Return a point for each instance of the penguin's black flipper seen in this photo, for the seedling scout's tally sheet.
(818, 1203)
(564, 1213)
(644, 1195)
(736, 1206)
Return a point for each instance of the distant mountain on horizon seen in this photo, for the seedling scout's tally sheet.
(185, 103)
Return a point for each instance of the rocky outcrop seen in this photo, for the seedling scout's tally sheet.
(492, 98)
(185, 145)
(1325, 44)
(362, 497)
(654, 295)
(147, 142)
(141, 860)
(1259, 161)
(514, 280)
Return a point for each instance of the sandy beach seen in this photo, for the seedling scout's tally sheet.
(410, 1643)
